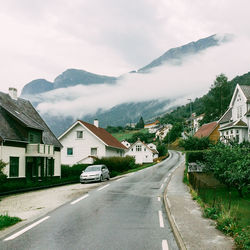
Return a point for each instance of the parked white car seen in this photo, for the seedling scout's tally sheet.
(95, 173)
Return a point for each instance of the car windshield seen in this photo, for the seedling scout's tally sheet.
(92, 168)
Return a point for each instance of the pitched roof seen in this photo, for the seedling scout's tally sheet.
(18, 115)
(226, 117)
(246, 90)
(238, 123)
(206, 129)
(105, 136)
(151, 149)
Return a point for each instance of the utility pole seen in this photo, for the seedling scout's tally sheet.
(191, 120)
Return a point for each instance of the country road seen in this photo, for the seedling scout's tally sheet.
(127, 213)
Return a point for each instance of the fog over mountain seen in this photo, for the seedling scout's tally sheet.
(180, 73)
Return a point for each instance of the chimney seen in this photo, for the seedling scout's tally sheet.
(96, 123)
(13, 93)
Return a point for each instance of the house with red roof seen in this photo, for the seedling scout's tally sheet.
(209, 130)
(83, 142)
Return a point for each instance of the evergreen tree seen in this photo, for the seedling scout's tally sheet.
(140, 124)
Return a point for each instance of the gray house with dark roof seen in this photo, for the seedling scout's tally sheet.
(27, 145)
(235, 123)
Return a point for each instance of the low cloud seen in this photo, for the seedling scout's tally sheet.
(176, 83)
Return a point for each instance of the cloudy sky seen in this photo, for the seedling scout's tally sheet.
(42, 38)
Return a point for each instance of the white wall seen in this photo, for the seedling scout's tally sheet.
(15, 152)
(57, 157)
(81, 147)
(237, 104)
(141, 156)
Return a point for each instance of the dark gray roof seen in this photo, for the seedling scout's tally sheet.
(226, 117)
(236, 124)
(18, 115)
(246, 91)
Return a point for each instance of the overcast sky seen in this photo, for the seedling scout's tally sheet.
(42, 38)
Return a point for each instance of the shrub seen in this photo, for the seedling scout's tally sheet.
(3, 176)
(117, 164)
(72, 172)
(194, 156)
(162, 149)
(195, 143)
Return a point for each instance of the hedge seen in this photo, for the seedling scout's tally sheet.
(194, 156)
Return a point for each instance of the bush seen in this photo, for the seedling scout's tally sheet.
(162, 149)
(72, 172)
(195, 143)
(194, 156)
(3, 176)
(117, 164)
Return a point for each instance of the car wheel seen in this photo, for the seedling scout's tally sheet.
(101, 178)
(108, 177)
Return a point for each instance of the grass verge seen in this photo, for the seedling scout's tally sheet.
(7, 221)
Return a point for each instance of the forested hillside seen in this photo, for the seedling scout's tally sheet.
(213, 104)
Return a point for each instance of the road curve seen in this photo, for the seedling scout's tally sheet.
(127, 213)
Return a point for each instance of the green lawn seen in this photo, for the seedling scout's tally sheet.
(6, 221)
(127, 134)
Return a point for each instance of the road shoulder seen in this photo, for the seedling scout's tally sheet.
(192, 231)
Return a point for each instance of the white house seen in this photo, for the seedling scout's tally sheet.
(142, 152)
(196, 121)
(27, 145)
(162, 132)
(126, 143)
(83, 142)
(235, 123)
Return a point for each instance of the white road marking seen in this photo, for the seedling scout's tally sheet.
(164, 245)
(166, 179)
(103, 187)
(159, 198)
(161, 186)
(79, 199)
(161, 219)
(132, 173)
(26, 229)
(119, 179)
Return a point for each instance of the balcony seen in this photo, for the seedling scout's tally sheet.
(39, 150)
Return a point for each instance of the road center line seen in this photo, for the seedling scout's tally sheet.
(103, 187)
(79, 199)
(161, 186)
(159, 198)
(161, 219)
(26, 229)
(164, 245)
(166, 179)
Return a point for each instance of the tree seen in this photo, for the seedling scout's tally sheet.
(140, 124)
(230, 164)
(174, 133)
(195, 143)
(216, 101)
(162, 149)
(3, 176)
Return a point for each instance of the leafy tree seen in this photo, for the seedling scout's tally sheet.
(195, 143)
(162, 149)
(140, 124)
(216, 101)
(144, 137)
(3, 176)
(174, 133)
(230, 164)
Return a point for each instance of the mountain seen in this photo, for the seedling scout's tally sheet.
(68, 78)
(123, 113)
(176, 55)
(37, 87)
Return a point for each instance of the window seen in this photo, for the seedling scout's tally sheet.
(93, 151)
(79, 134)
(231, 131)
(145, 149)
(239, 112)
(237, 131)
(51, 167)
(227, 133)
(69, 151)
(14, 167)
(138, 148)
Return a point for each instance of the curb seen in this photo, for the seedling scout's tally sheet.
(177, 235)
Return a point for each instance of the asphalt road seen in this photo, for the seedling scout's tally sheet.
(127, 213)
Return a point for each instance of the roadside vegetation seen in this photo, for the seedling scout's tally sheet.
(7, 221)
(223, 190)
